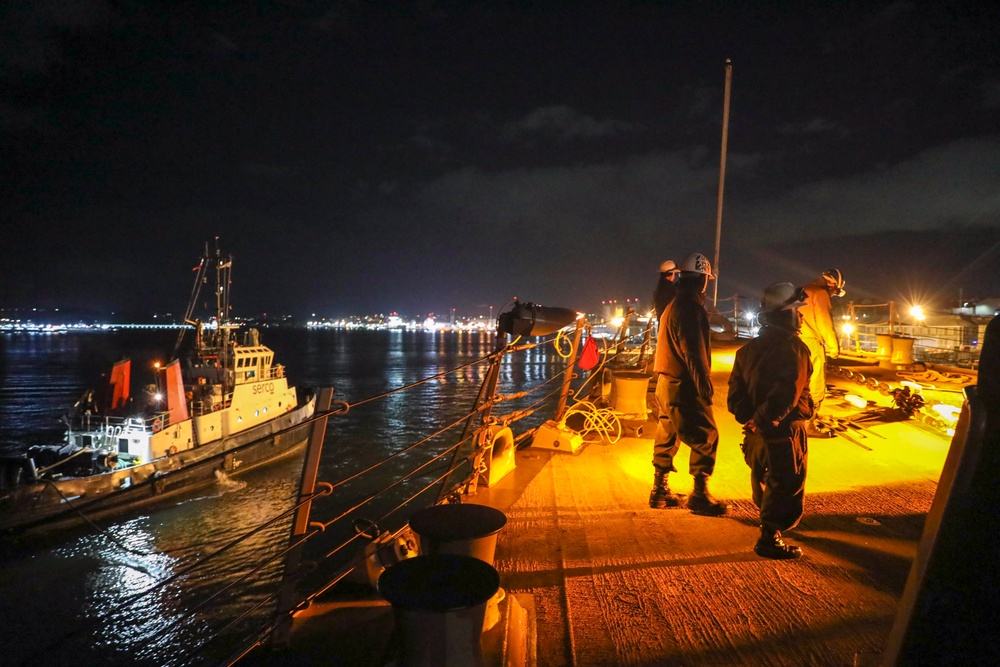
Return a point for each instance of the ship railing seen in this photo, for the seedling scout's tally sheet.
(275, 372)
(437, 464)
(203, 407)
(118, 425)
(957, 346)
(84, 630)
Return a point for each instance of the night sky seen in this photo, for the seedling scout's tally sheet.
(362, 157)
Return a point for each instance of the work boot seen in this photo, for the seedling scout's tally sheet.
(770, 545)
(701, 502)
(660, 497)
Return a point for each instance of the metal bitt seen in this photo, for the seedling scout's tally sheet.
(444, 599)
(439, 604)
(465, 529)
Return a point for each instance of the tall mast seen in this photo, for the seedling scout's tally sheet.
(223, 270)
(722, 180)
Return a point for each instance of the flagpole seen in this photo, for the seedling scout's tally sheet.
(722, 180)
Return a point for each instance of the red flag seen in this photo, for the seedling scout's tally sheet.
(589, 356)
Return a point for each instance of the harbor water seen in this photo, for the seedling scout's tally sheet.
(118, 592)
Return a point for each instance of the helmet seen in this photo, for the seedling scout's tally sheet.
(696, 263)
(835, 279)
(782, 296)
(668, 266)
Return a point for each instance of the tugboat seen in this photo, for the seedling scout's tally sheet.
(223, 405)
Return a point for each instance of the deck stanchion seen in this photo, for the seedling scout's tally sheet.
(310, 469)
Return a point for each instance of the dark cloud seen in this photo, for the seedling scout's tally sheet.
(564, 124)
(815, 126)
(375, 156)
(32, 34)
(940, 187)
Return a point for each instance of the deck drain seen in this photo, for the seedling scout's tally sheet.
(868, 520)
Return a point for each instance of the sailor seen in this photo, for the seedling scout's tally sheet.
(665, 287)
(769, 395)
(86, 405)
(818, 332)
(684, 391)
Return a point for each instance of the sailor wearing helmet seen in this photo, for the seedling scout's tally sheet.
(684, 391)
(818, 332)
(665, 287)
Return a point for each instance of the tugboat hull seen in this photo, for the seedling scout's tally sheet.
(54, 504)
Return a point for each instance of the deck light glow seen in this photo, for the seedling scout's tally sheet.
(917, 313)
(856, 401)
(949, 412)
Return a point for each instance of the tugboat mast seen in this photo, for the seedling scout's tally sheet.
(212, 345)
(223, 281)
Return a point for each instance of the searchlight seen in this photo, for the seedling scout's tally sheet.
(529, 319)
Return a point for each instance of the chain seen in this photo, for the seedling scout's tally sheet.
(920, 413)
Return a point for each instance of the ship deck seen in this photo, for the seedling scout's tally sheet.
(605, 580)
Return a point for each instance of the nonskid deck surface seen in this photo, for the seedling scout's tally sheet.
(615, 582)
(612, 582)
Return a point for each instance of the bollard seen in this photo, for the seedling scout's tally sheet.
(628, 392)
(464, 529)
(459, 528)
(439, 603)
(883, 343)
(902, 350)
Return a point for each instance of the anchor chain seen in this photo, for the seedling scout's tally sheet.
(888, 390)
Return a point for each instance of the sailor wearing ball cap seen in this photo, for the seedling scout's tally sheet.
(769, 395)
